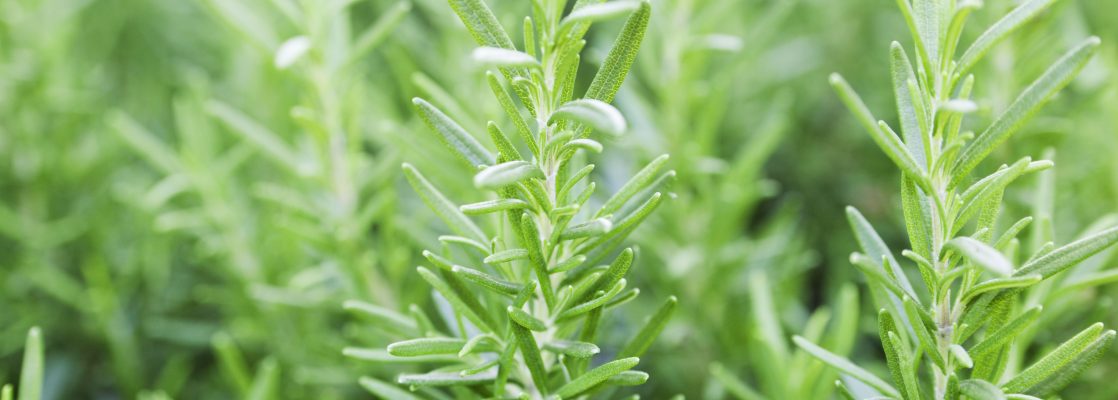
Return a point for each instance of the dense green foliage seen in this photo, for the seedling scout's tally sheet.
(205, 199)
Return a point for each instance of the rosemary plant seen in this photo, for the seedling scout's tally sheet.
(528, 298)
(964, 326)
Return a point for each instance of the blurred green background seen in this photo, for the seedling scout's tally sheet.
(184, 207)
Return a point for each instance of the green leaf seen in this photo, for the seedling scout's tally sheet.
(513, 113)
(425, 347)
(506, 58)
(1066, 355)
(446, 379)
(379, 30)
(885, 138)
(885, 326)
(481, 23)
(453, 135)
(914, 137)
(596, 114)
(154, 150)
(499, 286)
(530, 240)
(461, 298)
(491, 206)
(651, 329)
(876, 249)
(6, 392)
(573, 349)
(1069, 255)
(1000, 284)
(635, 184)
(628, 378)
(265, 385)
(383, 316)
(269, 142)
(981, 254)
(592, 303)
(998, 339)
(594, 227)
(455, 219)
(846, 367)
(523, 318)
(979, 389)
(926, 14)
(961, 355)
(232, 362)
(531, 354)
(621, 56)
(1086, 358)
(384, 390)
(598, 12)
(1027, 103)
(504, 174)
(1000, 30)
(595, 376)
(506, 151)
(734, 385)
(31, 371)
(506, 256)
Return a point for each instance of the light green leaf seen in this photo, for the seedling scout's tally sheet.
(154, 150)
(523, 318)
(531, 354)
(379, 30)
(651, 329)
(846, 367)
(594, 377)
(506, 256)
(573, 349)
(1085, 359)
(499, 286)
(504, 174)
(876, 249)
(596, 114)
(1000, 30)
(505, 58)
(455, 219)
(1000, 284)
(453, 135)
(460, 297)
(513, 113)
(598, 12)
(914, 137)
(31, 371)
(1066, 355)
(1027, 103)
(265, 385)
(881, 134)
(383, 316)
(961, 355)
(979, 389)
(628, 378)
(635, 184)
(982, 254)
(490, 206)
(1069, 255)
(270, 143)
(446, 379)
(384, 390)
(996, 340)
(594, 227)
(621, 56)
(530, 240)
(426, 347)
(481, 23)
